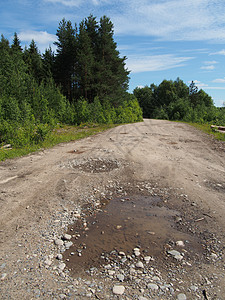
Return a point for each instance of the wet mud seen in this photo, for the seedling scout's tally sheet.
(122, 224)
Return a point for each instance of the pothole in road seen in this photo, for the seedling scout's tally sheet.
(95, 165)
(122, 224)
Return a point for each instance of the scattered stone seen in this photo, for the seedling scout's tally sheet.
(62, 266)
(140, 265)
(181, 297)
(147, 259)
(118, 289)
(59, 242)
(3, 276)
(194, 288)
(48, 262)
(68, 244)
(111, 272)
(59, 256)
(142, 298)
(120, 277)
(67, 236)
(153, 286)
(180, 243)
(176, 254)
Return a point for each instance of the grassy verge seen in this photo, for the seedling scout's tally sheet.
(60, 134)
(207, 129)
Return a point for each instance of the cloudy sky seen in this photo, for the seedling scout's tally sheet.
(162, 39)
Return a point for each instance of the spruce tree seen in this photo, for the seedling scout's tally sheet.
(112, 77)
(85, 64)
(65, 60)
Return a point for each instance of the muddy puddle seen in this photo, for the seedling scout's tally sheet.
(122, 224)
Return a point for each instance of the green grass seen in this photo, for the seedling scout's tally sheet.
(60, 134)
(207, 129)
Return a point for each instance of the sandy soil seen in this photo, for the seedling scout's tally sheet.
(40, 195)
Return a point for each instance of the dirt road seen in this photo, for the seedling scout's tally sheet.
(169, 176)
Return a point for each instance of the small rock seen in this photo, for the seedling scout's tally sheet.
(3, 276)
(153, 286)
(59, 242)
(120, 277)
(194, 288)
(111, 272)
(68, 244)
(180, 243)
(118, 289)
(181, 297)
(175, 254)
(67, 237)
(48, 262)
(62, 266)
(59, 256)
(142, 298)
(147, 259)
(139, 265)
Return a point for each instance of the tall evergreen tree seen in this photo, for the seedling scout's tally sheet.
(65, 61)
(112, 77)
(85, 60)
(32, 58)
(16, 45)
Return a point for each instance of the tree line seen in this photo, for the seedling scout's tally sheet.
(85, 80)
(174, 100)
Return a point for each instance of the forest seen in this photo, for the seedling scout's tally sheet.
(174, 100)
(84, 81)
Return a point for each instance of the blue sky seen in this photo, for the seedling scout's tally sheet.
(162, 39)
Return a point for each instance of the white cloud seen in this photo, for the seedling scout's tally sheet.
(219, 80)
(40, 37)
(222, 52)
(209, 68)
(143, 63)
(76, 3)
(199, 84)
(214, 88)
(211, 62)
(172, 19)
(66, 2)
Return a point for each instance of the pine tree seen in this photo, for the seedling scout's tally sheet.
(65, 61)
(32, 58)
(16, 44)
(112, 77)
(85, 60)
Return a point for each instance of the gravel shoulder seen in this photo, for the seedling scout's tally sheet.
(44, 194)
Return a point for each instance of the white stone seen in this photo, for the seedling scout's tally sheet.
(68, 244)
(118, 289)
(120, 277)
(175, 254)
(153, 286)
(147, 259)
(59, 242)
(181, 297)
(3, 276)
(62, 266)
(180, 243)
(139, 265)
(67, 236)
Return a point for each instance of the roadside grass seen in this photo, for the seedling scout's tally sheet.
(207, 129)
(60, 134)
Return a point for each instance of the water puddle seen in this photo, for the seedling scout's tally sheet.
(122, 224)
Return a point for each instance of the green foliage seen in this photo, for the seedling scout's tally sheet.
(85, 81)
(174, 100)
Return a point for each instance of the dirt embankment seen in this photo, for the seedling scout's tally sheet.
(143, 206)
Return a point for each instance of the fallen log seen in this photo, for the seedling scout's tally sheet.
(218, 128)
